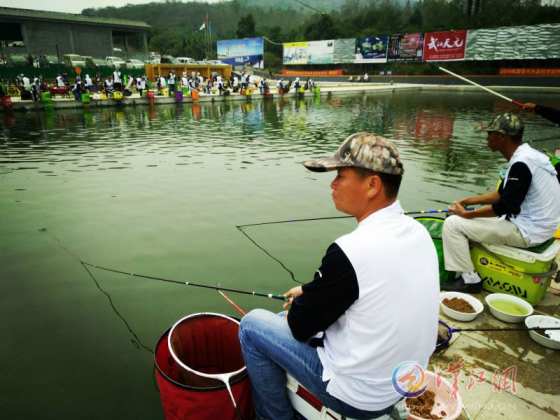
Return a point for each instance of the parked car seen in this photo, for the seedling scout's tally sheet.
(46, 60)
(16, 59)
(115, 62)
(167, 59)
(99, 62)
(134, 63)
(15, 44)
(216, 62)
(89, 61)
(184, 60)
(74, 60)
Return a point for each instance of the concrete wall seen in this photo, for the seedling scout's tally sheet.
(44, 37)
(92, 40)
(95, 41)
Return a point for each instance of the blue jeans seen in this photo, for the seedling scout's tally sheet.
(270, 350)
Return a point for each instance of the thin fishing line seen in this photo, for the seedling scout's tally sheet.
(136, 338)
(310, 7)
(263, 249)
(110, 299)
(241, 229)
(182, 283)
(272, 42)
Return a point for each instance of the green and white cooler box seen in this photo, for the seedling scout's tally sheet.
(525, 273)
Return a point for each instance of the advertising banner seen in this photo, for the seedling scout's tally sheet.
(445, 46)
(309, 52)
(371, 49)
(239, 52)
(344, 50)
(406, 47)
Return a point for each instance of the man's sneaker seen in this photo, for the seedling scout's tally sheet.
(459, 285)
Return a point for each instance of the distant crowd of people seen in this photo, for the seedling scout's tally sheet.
(244, 83)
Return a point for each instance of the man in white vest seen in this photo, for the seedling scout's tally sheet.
(371, 306)
(523, 212)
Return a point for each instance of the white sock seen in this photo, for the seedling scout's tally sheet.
(471, 277)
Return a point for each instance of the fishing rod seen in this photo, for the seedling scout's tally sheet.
(453, 330)
(449, 331)
(229, 300)
(189, 283)
(493, 92)
(240, 227)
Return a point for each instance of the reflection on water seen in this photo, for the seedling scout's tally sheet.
(437, 131)
(159, 191)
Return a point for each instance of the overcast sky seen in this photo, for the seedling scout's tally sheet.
(72, 6)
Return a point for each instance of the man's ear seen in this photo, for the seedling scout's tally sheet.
(375, 186)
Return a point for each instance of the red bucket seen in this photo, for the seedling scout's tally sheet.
(6, 102)
(151, 96)
(209, 344)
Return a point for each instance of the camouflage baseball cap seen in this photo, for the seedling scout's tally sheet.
(361, 150)
(506, 123)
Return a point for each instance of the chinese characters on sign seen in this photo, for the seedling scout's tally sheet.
(445, 46)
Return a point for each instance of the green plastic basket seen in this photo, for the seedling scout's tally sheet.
(46, 97)
(434, 226)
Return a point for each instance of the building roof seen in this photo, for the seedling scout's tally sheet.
(27, 14)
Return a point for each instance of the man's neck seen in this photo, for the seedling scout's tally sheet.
(373, 208)
(509, 151)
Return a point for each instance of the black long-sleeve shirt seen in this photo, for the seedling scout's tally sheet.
(333, 289)
(512, 195)
(551, 114)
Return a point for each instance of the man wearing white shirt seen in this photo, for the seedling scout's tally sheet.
(60, 81)
(523, 212)
(117, 81)
(372, 305)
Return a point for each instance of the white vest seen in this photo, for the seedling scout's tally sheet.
(540, 211)
(395, 317)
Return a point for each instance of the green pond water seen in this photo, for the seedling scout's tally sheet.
(160, 192)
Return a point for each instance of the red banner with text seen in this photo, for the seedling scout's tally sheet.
(445, 46)
(312, 73)
(504, 71)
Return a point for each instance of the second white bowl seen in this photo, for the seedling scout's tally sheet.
(508, 308)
